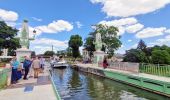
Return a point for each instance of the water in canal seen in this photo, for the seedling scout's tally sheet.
(74, 85)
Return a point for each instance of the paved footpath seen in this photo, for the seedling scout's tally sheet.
(31, 89)
(149, 76)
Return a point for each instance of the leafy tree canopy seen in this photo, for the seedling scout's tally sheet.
(134, 55)
(8, 38)
(49, 53)
(160, 57)
(75, 42)
(156, 54)
(109, 35)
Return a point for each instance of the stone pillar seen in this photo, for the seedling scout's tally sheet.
(99, 57)
(20, 53)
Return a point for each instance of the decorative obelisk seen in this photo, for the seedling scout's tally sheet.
(24, 42)
(98, 54)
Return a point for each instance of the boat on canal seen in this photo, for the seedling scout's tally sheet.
(60, 64)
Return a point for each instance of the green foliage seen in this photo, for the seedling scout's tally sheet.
(134, 55)
(7, 38)
(33, 54)
(49, 53)
(69, 51)
(156, 54)
(111, 40)
(75, 42)
(89, 45)
(141, 46)
(160, 57)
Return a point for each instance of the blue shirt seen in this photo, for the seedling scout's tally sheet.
(15, 64)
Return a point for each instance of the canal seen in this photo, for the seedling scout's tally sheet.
(74, 85)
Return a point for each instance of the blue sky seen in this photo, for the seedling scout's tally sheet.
(56, 20)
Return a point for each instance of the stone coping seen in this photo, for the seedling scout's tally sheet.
(144, 75)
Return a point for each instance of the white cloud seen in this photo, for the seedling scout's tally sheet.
(43, 44)
(129, 40)
(126, 8)
(150, 32)
(37, 19)
(121, 30)
(122, 46)
(47, 41)
(12, 24)
(10, 16)
(120, 22)
(167, 31)
(55, 27)
(163, 41)
(134, 28)
(79, 25)
(134, 46)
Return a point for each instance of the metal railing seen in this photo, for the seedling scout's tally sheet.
(155, 69)
(125, 66)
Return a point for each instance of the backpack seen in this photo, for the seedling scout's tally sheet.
(27, 64)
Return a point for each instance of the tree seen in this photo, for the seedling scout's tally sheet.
(7, 38)
(141, 46)
(134, 55)
(111, 40)
(75, 42)
(146, 50)
(33, 54)
(49, 53)
(69, 51)
(89, 45)
(160, 57)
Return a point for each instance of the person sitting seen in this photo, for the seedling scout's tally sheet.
(15, 65)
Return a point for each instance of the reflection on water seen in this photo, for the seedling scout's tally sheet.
(73, 85)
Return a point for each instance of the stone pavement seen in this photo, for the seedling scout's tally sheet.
(149, 76)
(31, 89)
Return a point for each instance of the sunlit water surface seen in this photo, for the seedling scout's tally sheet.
(74, 85)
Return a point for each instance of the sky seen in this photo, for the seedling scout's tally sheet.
(56, 20)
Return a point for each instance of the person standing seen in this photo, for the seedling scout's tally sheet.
(26, 64)
(15, 65)
(105, 63)
(42, 64)
(31, 69)
(36, 66)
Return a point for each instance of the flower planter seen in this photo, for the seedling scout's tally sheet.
(2, 65)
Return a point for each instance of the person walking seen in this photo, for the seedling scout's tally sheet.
(31, 69)
(26, 65)
(15, 65)
(42, 64)
(105, 64)
(36, 66)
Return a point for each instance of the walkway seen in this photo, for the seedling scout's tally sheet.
(149, 76)
(31, 89)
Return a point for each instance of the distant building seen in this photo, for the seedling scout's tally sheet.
(118, 57)
(85, 54)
